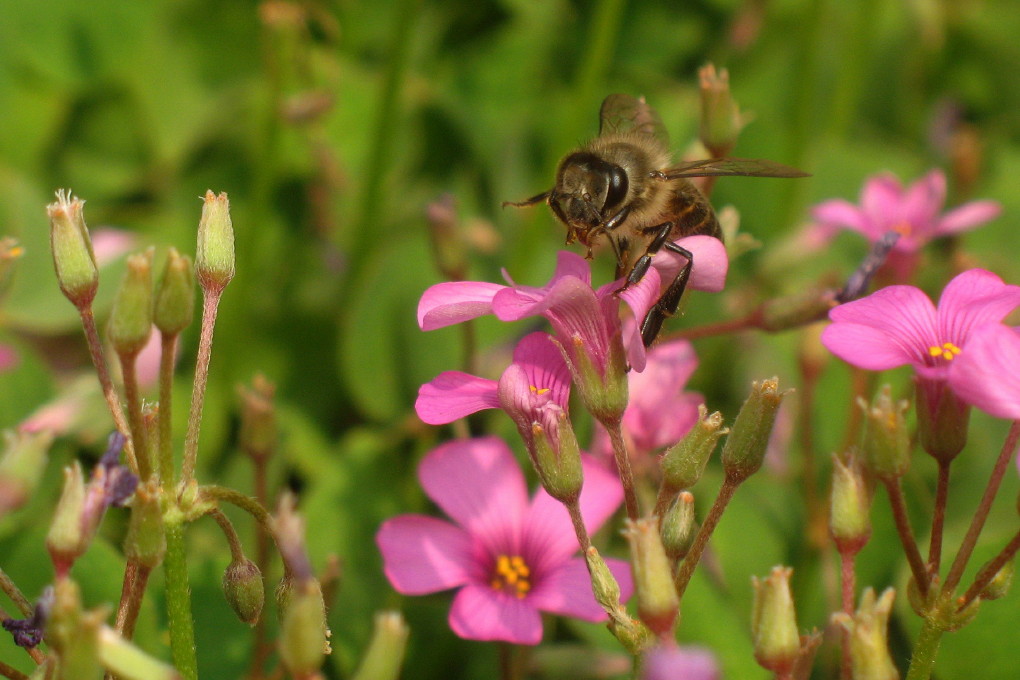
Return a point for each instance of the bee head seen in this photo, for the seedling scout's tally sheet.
(588, 191)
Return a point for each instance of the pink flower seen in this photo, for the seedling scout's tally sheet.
(510, 558)
(987, 375)
(913, 212)
(680, 663)
(899, 325)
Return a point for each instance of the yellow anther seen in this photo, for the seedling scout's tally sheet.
(539, 390)
(511, 575)
(947, 351)
(902, 228)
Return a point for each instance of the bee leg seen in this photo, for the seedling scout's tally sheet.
(669, 301)
(640, 268)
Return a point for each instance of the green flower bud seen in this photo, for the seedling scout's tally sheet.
(67, 538)
(385, 653)
(942, 419)
(131, 318)
(242, 586)
(721, 120)
(604, 584)
(658, 603)
(303, 633)
(744, 450)
(175, 299)
(258, 418)
(774, 622)
(684, 463)
(214, 257)
(850, 505)
(123, 660)
(886, 446)
(21, 466)
(74, 633)
(603, 389)
(72, 250)
(869, 637)
(679, 527)
(145, 542)
(1001, 583)
(558, 465)
(794, 311)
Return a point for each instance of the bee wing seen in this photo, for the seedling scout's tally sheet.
(717, 167)
(623, 113)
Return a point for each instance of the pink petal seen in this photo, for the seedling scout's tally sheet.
(481, 613)
(549, 537)
(670, 366)
(452, 395)
(902, 314)
(109, 243)
(479, 485)
(639, 298)
(974, 298)
(543, 364)
(680, 663)
(985, 373)
(968, 216)
(922, 202)
(570, 264)
(8, 357)
(567, 590)
(710, 263)
(445, 304)
(880, 203)
(424, 554)
(865, 347)
(841, 213)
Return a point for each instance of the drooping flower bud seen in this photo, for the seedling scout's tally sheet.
(214, 256)
(131, 318)
(242, 586)
(679, 527)
(385, 654)
(21, 465)
(869, 637)
(73, 257)
(175, 297)
(886, 445)
(684, 463)
(604, 584)
(850, 506)
(745, 447)
(658, 603)
(774, 622)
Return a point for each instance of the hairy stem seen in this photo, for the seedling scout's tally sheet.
(178, 602)
(690, 562)
(11, 672)
(899, 510)
(210, 304)
(622, 457)
(849, 578)
(988, 572)
(938, 519)
(166, 384)
(136, 576)
(12, 591)
(925, 650)
(88, 322)
(134, 408)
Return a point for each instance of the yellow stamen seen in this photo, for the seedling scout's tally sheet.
(947, 351)
(539, 390)
(902, 228)
(511, 575)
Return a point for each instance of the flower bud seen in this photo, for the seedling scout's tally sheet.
(386, 651)
(145, 542)
(242, 586)
(942, 419)
(869, 637)
(886, 446)
(125, 661)
(774, 622)
(744, 451)
(21, 465)
(1000, 584)
(131, 318)
(850, 505)
(679, 527)
(658, 603)
(684, 462)
(303, 632)
(67, 538)
(72, 250)
(793, 311)
(175, 298)
(74, 633)
(604, 584)
(214, 256)
(558, 463)
(603, 388)
(258, 418)
(720, 117)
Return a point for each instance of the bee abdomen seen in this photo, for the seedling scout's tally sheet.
(692, 213)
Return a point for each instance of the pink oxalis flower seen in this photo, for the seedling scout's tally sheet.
(987, 375)
(511, 558)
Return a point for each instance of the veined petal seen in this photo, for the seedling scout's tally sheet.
(543, 364)
(866, 347)
(481, 613)
(570, 264)
(479, 485)
(639, 299)
(567, 590)
(902, 314)
(445, 304)
(424, 554)
(452, 395)
(710, 263)
(968, 216)
(985, 374)
(974, 298)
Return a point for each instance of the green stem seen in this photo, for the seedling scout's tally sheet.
(210, 304)
(989, 571)
(246, 503)
(178, 602)
(925, 650)
(166, 384)
(134, 407)
(690, 562)
(906, 534)
(236, 550)
(622, 458)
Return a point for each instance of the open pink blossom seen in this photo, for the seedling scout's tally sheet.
(913, 212)
(511, 558)
(899, 325)
(987, 375)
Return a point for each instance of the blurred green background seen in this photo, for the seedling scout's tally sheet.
(333, 125)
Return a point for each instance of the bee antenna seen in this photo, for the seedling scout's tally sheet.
(540, 198)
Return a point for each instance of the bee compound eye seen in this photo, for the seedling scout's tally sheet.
(617, 186)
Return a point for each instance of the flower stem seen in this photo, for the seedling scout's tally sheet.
(848, 578)
(579, 529)
(988, 572)
(88, 322)
(134, 408)
(938, 519)
(687, 566)
(12, 591)
(178, 602)
(246, 503)
(984, 507)
(236, 551)
(622, 457)
(136, 576)
(925, 649)
(168, 351)
(899, 510)
(748, 322)
(11, 672)
(210, 304)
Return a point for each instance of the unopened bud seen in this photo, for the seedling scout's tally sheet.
(679, 527)
(869, 637)
(774, 622)
(72, 250)
(603, 388)
(303, 632)
(258, 418)
(145, 542)
(745, 447)
(242, 586)
(850, 506)
(942, 419)
(74, 633)
(67, 538)
(793, 311)
(886, 445)
(214, 256)
(658, 603)
(131, 318)
(1001, 583)
(684, 462)
(21, 466)
(558, 463)
(720, 117)
(125, 661)
(385, 653)
(175, 298)
(604, 585)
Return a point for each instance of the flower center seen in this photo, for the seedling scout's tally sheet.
(946, 350)
(902, 228)
(511, 575)
(538, 390)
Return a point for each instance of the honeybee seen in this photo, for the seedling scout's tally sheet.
(623, 186)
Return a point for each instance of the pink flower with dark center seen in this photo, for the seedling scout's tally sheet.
(899, 325)
(510, 558)
(987, 375)
(913, 212)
